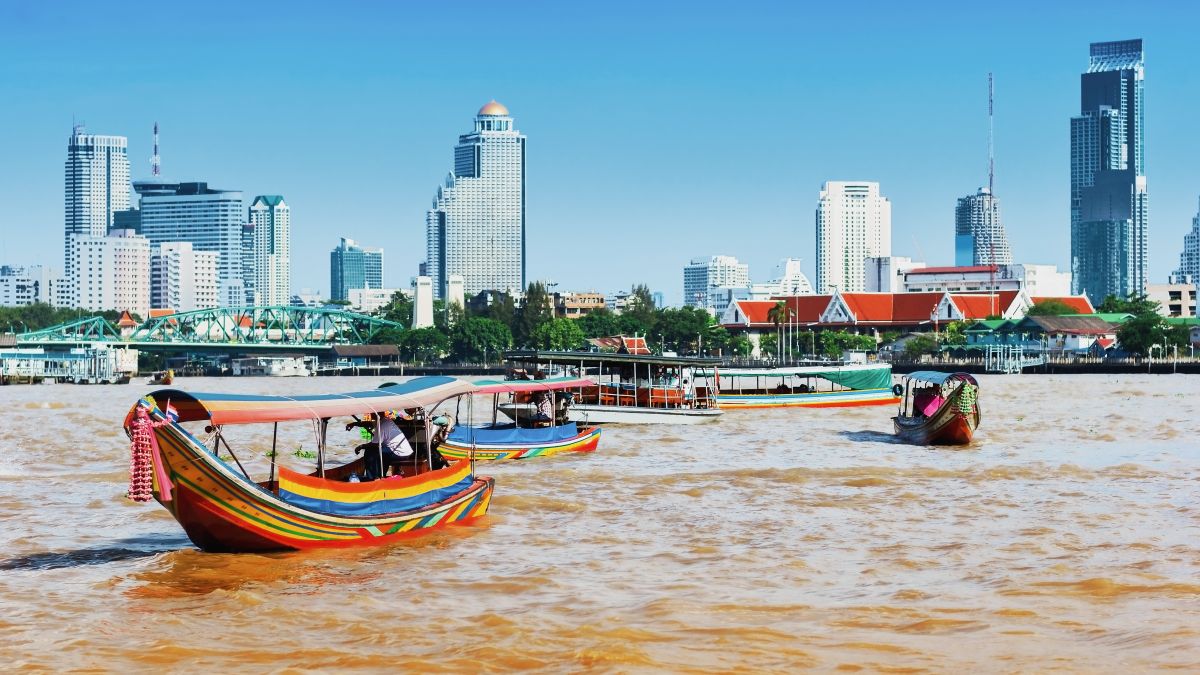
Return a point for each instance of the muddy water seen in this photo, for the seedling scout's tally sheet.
(1067, 537)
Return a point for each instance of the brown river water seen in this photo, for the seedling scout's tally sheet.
(1067, 537)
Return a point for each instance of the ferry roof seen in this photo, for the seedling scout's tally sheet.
(938, 377)
(422, 392)
(538, 356)
(813, 370)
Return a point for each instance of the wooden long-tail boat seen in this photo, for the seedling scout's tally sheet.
(938, 408)
(528, 435)
(222, 509)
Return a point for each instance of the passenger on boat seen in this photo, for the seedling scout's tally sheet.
(395, 443)
(545, 407)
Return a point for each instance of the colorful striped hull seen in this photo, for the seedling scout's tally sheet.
(948, 426)
(586, 441)
(816, 399)
(220, 510)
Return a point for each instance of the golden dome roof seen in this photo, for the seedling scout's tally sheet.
(495, 109)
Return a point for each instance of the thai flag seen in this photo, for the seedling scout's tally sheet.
(172, 413)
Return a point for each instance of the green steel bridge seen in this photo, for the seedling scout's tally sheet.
(282, 328)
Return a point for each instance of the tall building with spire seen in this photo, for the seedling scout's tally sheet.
(979, 237)
(1189, 258)
(1109, 201)
(854, 222)
(476, 226)
(96, 186)
(271, 218)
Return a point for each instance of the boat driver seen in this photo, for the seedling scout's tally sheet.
(395, 443)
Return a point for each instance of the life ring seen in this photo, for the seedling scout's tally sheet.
(897, 389)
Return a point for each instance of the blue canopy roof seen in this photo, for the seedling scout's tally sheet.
(938, 377)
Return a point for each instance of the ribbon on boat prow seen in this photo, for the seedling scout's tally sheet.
(146, 469)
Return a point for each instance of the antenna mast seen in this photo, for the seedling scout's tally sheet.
(991, 137)
(990, 204)
(154, 163)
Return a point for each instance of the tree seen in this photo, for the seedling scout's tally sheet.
(768, 345)
(640, 315)
(399, 309)
(558, 335)
(479, 339)
(535, 310)
(739, 345)
(918, 345)
(778, 315)
(599, 323)
(1135, 304)
(955, 334)
(502, 309)
(681, 328)
(424, 344)
(834, 342)
(1050, 307)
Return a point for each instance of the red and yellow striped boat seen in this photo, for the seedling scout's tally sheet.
(222, 509)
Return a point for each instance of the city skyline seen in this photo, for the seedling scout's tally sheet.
(596, 171)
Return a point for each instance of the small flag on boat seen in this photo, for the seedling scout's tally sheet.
(172, 413)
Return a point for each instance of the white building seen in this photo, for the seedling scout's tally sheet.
(367, 300)
(182, 278)
(97, 186)
(979, 236)
(476, 227)
(1036, 280)
(112, 272)
(789, 280)
(1175, 298)
(272, 221)
(422, 302)
(854, 222)
(21, 286)
(885, 274)
(701, 275)
(211, 219)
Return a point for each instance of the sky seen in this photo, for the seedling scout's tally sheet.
(657, 132)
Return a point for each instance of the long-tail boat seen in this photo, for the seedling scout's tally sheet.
(938, 408)
(814, 385)
(221, 508)
(530, 434)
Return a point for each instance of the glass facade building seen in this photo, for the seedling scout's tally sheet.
(476, 226)
(979, 237)
(1109, 201)
(354, 267)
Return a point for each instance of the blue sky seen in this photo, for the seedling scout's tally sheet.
(657, 131)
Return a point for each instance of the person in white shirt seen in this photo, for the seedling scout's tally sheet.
(395, 443)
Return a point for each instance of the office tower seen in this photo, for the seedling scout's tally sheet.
(21, 286)
(97, 186)
(1189, 258)
(854, 222)
(248, 264)
(182, 278)
(351, 266)
(272, 221)
(210, 219)
(703, 274)
(1109, 202)
(979, 237)
(112, 272)
(476, 227)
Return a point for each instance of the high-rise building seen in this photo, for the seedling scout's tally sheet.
(476, 227)
(1109, 202)
(272, 221)
(351, 266)
(182, 278)
(854, 222)
(97, 186)
(20, 286)
(979, 237)
(1189, 258)
(111, 272)
(248, 264)
(211, 219)
(703, 274)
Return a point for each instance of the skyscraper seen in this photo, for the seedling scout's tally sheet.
(352, 266)
(854, 222)
(182, 278)
(1109, 202)
(979, 237)
(476, 227)
(272, 221)
(210, 219)
(111, 272)
(1189, 258)
(97, 186)
(703, 274)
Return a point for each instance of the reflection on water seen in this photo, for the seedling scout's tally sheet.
(1067, 536)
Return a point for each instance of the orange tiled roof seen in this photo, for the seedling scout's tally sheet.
(807, 308)
(155, 313)
(983, 305)
(1079, 303)
(126, 321)
(892, 307)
